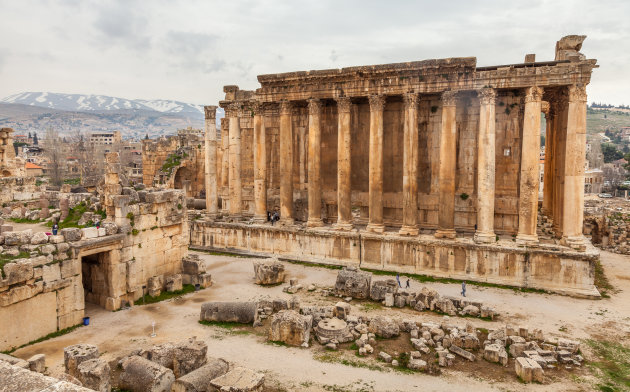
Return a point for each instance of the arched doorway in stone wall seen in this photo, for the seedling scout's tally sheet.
(183, 179)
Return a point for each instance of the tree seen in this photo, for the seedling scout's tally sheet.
(610, 152)
(146, 137)
(54, 156)
(35, 141)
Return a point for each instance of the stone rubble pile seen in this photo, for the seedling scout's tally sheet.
(358, 284)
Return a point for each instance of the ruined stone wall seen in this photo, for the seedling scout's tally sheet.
(154, 153)
(18, 188)
(504, 263)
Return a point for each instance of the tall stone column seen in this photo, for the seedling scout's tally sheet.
(575, 155)
(260, 164)
(235, 160)
(314, 163)
(486, 166)
(447, 167)
(530, 167)
(547, 205)
(375, 191)
(225, 162)
(344, 192)
(211, 160)
(410, 165)
(286, 163)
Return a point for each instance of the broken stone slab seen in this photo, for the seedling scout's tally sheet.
(290, 327)
(495, 353)
(462, 353)
(517, 349)
(199, 380)
(14, 361)
(269, 272)
(74, 355)
(417, 364)
(18, 272)
(193, 265)
(72, 234)
(528, 370)
(381, 287)
(141, 375)
(174, 283)
(39, 238)
(110, 228)
(389, 300)
(342, 310)
(384, 327)
(14, 379)
(385, 357)
(353, 283)
(181, 357)
(94, 374)
(88, 233)
(37, 363)
(239, 379)
(234, 312)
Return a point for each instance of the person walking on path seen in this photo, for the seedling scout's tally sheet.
(464, 288)
(407, 283)
(398, 280)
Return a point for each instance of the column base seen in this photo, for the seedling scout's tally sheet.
(286, 222)
(409, 230)
(485, 237)
(260, 219)
(233, 218)
(527, 239)
(445, 233)
(375, 228)
(577, 242)
(211, 215)
(343, 226)
(314, 223)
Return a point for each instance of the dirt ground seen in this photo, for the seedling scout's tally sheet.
(314, 369)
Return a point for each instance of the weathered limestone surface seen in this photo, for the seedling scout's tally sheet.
(239, 380)
(141, 375)
(528, 370)
(14, 378)
(181, 357)
(94, 374)
(235, 312)
(74, 355)
(268, 272)
(200, 380)
(353, 283)
(290, 327)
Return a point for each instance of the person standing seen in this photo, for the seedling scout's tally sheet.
(407, 283)
(464, 288)
(55, 228)
(398, 280)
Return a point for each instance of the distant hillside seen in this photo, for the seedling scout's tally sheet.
(67, 113)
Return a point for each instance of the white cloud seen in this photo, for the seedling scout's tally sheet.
(187, 50)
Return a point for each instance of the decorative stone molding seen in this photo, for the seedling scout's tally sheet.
(314, 106)
(257, 107)
(343, 104)
(286, 107)
(377, 102)
(210, 112)
(545, 108)
(533, 94)
(410, 100)
(577, 93)
(449, 98)
(487, 96)
(234, 109)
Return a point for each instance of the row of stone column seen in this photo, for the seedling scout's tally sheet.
(528, 179)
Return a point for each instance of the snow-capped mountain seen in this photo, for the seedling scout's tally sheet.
(92, 103)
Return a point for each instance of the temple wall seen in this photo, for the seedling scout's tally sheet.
(564, 272)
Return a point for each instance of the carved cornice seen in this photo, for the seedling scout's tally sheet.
(377, 102)
(286, 108)
(314, 106)
(449, 98)
(487, 96)
(533, 94)
(234, 109)
(257, 107)
(210, 112)
(577, 93)
(411, 100)
(343, 104)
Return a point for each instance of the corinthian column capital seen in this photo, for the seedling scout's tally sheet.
(257, 107)
(377, 102)
(314, 106)
(234, 109)
(210, 112)
(410, 100)
(286, 107)
(449, 98)
(533, 94)
(577, 93)
(487, 96)
(343, 104)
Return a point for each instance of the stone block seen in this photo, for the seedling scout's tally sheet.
(200, 379)
(353, 283)
(528, 370)
(384, 327)
(14, 361)
(290, 327)
(389, 300)
(141, 375)
(18, 272)
(181, 357)
(342, 310)
(462, 353)
(74, 355)
(39, 261)
(51, 273)
(517, 350)
(72, 234)
(381, 287)
(417, 364)
(239, 380)
(192, 265)
(94, 374)
(174, 283)
(39, 238)
(101, 232)
(110, 228)
(236, 312)
(37, 363)
(385, 357)
(48, 249)
(89, 233)
(203, 280)
(70, 268)
(268, 272)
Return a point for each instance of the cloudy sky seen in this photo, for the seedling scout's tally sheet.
(187, 50)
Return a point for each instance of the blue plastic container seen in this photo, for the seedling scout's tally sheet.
(86, 321)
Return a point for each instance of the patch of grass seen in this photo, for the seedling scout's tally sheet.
(369, 306)
(187, 288)
(74, 215)
(7, 259)
(217, 253)
(601, 281)
(72, 181)
(317, 265)
(331, 358)
(277, 343)
(612, 366)
(61, 332)
(428, 278)
(228, 327)
(24, 220)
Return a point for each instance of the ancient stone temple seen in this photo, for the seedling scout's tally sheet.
(10, 166)
(429, 167)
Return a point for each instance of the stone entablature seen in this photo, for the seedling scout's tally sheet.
(416, 146)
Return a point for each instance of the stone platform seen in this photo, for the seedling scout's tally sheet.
(549, 267)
